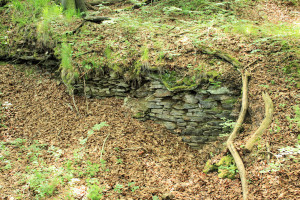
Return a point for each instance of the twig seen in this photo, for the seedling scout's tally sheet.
(103, 146)
(230, 145)
(75, 103)
(86, 101)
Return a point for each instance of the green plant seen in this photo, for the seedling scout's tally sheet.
(92, 169)
(118, 188)
(132, 186)
(227, 125)
(119, 161)
(41, 181)
(155, 197)
(296, 119)
(273, 167)
(95, 192)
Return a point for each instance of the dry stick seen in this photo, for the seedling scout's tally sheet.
(230, 145)
(269, 108)
(86, 101)
(103, 147)
(75, 103)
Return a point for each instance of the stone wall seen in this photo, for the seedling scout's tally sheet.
(196, 115)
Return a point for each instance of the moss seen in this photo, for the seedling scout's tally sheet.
(139, 115)
(217, 110)
(230, 101)
(226, 173)
(226, 167)
(180, 87)
(225, 161)
(209, 167)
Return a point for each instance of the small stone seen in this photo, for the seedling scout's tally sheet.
(177, 112)
(158, 111)
(181, 124)
(190, 99)
(221, 90)
(193, 124)
(162, 93)
(153, 105)
(123, 84)
(166, 104)
(189, 106)
(178, 106)
(170, 125)
(208, 103)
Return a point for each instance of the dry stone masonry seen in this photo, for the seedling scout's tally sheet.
(196, 114)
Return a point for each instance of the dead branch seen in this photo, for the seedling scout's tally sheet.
(230, 145)
(269, 108)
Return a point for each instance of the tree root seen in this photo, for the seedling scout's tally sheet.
(230, 145)
(220, 54)
(269, 108)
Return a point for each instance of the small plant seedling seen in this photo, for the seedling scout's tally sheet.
(118, 188)
(132, 186)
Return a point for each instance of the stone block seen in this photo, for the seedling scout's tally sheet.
(188, 131)
(170, 125)
(189, 106)
(177, 97)
(214, 123)
(166, 117)
(181, 124)
(221, 90)
(198, 119)
(177, 112)
(123, 84)
(178, 106)
(157, 111)
(190, 99)
(166, 104)
(162, 93)
(156, 85)
(154, 105)
(219, 97)
(193, 124)
(207, 103)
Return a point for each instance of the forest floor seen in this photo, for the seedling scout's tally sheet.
(48, 151)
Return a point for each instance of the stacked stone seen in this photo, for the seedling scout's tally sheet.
(196, 114)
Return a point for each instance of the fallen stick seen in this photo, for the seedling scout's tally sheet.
(269, 108)
(230, 145)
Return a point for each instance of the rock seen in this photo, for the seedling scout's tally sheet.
(193, 124)
(165, 104)
(208, 103)
(156, 85)
(170, 125)
(123, 84)
(157, 111)
(181, 124)
(190, 99)
(162, 93)
(221, 90)
(166, 117)
(189, 106)
(154, 105)
(178, 106)
(177, 112)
